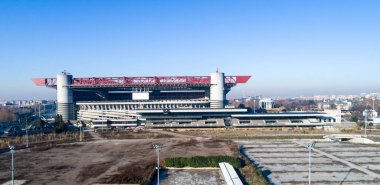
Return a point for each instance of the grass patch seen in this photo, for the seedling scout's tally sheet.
(253, 175)
(127, 134)
(201, 161)
(250, 173)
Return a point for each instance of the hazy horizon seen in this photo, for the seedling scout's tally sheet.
(290, 48)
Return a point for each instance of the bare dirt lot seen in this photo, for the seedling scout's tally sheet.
(103, 161)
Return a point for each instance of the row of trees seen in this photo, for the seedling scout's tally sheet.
(201, 161)
(7, 115)
(11, 114)
(57, 126)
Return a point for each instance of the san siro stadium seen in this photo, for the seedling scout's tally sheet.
(164, 102)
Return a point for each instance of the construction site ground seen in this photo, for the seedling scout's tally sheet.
(105, 160)
(128, 157)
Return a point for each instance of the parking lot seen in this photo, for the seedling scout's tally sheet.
(332, 163)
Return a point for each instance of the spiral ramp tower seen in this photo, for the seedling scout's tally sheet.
(65, 97)
(217, 95)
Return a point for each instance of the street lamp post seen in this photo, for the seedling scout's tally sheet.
(26, 131)
(80, 132)
(367, 113)
(39, 110)
(158, 148)
(365, 123)
(12, 150)
(310, 147)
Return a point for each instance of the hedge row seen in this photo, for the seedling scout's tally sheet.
(201, 161)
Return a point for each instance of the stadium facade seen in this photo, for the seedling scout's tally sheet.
(163, 102)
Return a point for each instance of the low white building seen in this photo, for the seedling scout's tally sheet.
(266, 103)
(372, 116)
(335, 113)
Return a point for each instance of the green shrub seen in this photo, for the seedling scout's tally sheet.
(201, 161)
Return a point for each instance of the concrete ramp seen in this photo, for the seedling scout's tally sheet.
(229, 174)
(349, 138)
(341, 137)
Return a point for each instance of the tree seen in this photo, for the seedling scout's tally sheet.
(241, 106)
(39, 123)
(354, 118)
(7, 114)
(59, 124)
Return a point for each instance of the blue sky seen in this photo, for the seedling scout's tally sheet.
(290, 48)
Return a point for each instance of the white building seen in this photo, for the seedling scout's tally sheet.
(266, 103)
(372, 116)
(335, 113)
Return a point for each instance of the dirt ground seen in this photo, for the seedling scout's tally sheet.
(103, 160)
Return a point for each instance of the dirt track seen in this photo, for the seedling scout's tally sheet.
(102, 161)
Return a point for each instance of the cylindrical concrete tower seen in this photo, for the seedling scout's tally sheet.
(217, 96)
(65, 96)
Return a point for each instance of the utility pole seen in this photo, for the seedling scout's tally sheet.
(158, 148)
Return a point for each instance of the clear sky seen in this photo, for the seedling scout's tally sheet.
(290, 48)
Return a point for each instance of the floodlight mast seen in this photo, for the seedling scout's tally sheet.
(26, 130)
(12, 150)
(365, 123)
(373, 103)
(158, 148)
(81, 131)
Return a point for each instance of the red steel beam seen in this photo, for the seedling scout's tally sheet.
(156, 80)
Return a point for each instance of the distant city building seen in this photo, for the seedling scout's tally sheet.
(266, 103)
(372, 116)
(370, 95)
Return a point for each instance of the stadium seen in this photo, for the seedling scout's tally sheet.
(163, 102)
